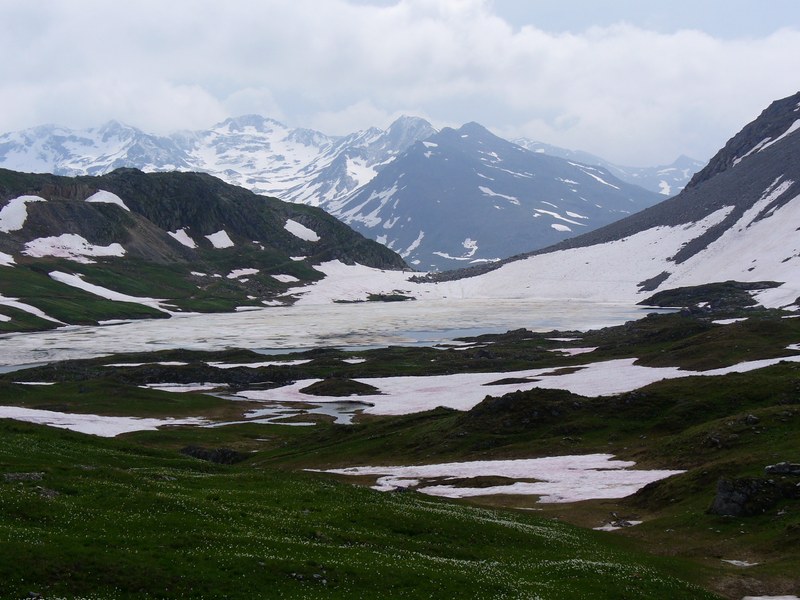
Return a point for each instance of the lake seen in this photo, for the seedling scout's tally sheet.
(276, 330)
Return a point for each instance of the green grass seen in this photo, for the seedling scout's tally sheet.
(104, 397)
(68, 304)
(111, 520)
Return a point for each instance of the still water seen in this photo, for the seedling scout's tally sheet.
(278, 329)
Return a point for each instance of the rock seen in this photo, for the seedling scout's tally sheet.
(621, 523)
(750, 496)
(751, 420)
(783, 468)
(46, 493)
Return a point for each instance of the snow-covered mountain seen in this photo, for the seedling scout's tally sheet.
(667, 180)
(466, 196)
(737, 220)
(93, 151)
(442, 199)
(260, 154)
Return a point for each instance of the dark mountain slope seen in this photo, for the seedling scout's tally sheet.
(162, 242)
(759, 161)
(467, 196)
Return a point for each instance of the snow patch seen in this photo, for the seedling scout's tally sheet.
(559, 479)
(538, 212)
(301, 231)
(587, 170)
(728, 321)
(286, 278)
(469, 244)
(14, 214)
(92, 424)
(6, 260)
(181, 236)
(739, 563)
(489, 192)
(792, 128)
(72, 247)
(220, 239)
(77, 282)
(163, 363)
(103, 197)
(575, 215)
(258, 365)
(612, 527)
(15, 303)
(414, 245)
(183, 388)
(560, 227)
(237, 273)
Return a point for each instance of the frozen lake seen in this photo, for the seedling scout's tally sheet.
(278, 329)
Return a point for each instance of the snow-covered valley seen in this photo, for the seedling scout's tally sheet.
(279, 329)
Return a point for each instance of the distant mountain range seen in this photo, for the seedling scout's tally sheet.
(667, 180)
(257, 153)
(130, 244)
(438, 218)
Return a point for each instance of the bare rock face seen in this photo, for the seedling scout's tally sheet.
(748, 496)
(771, 124)
(744, 497)
(783, 468)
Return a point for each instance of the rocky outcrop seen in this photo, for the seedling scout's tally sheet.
(783, 468)
(749, 496)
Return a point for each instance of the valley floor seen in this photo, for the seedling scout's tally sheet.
(648, 460)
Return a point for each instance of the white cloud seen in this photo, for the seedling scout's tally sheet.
(630, 94)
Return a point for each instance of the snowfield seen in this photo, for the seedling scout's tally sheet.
(767, 248)
(463, 391)
(558, 479)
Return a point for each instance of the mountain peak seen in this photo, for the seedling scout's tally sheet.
(776, 121)
(473, 128)
(257, 122)
(113, 126)
(405, 130)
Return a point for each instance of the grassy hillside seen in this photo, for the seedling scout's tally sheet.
(263, 260)
(87, 517)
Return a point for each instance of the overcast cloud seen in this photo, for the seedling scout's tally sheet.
(635, 87)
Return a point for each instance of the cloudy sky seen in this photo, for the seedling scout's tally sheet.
(636, 81)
